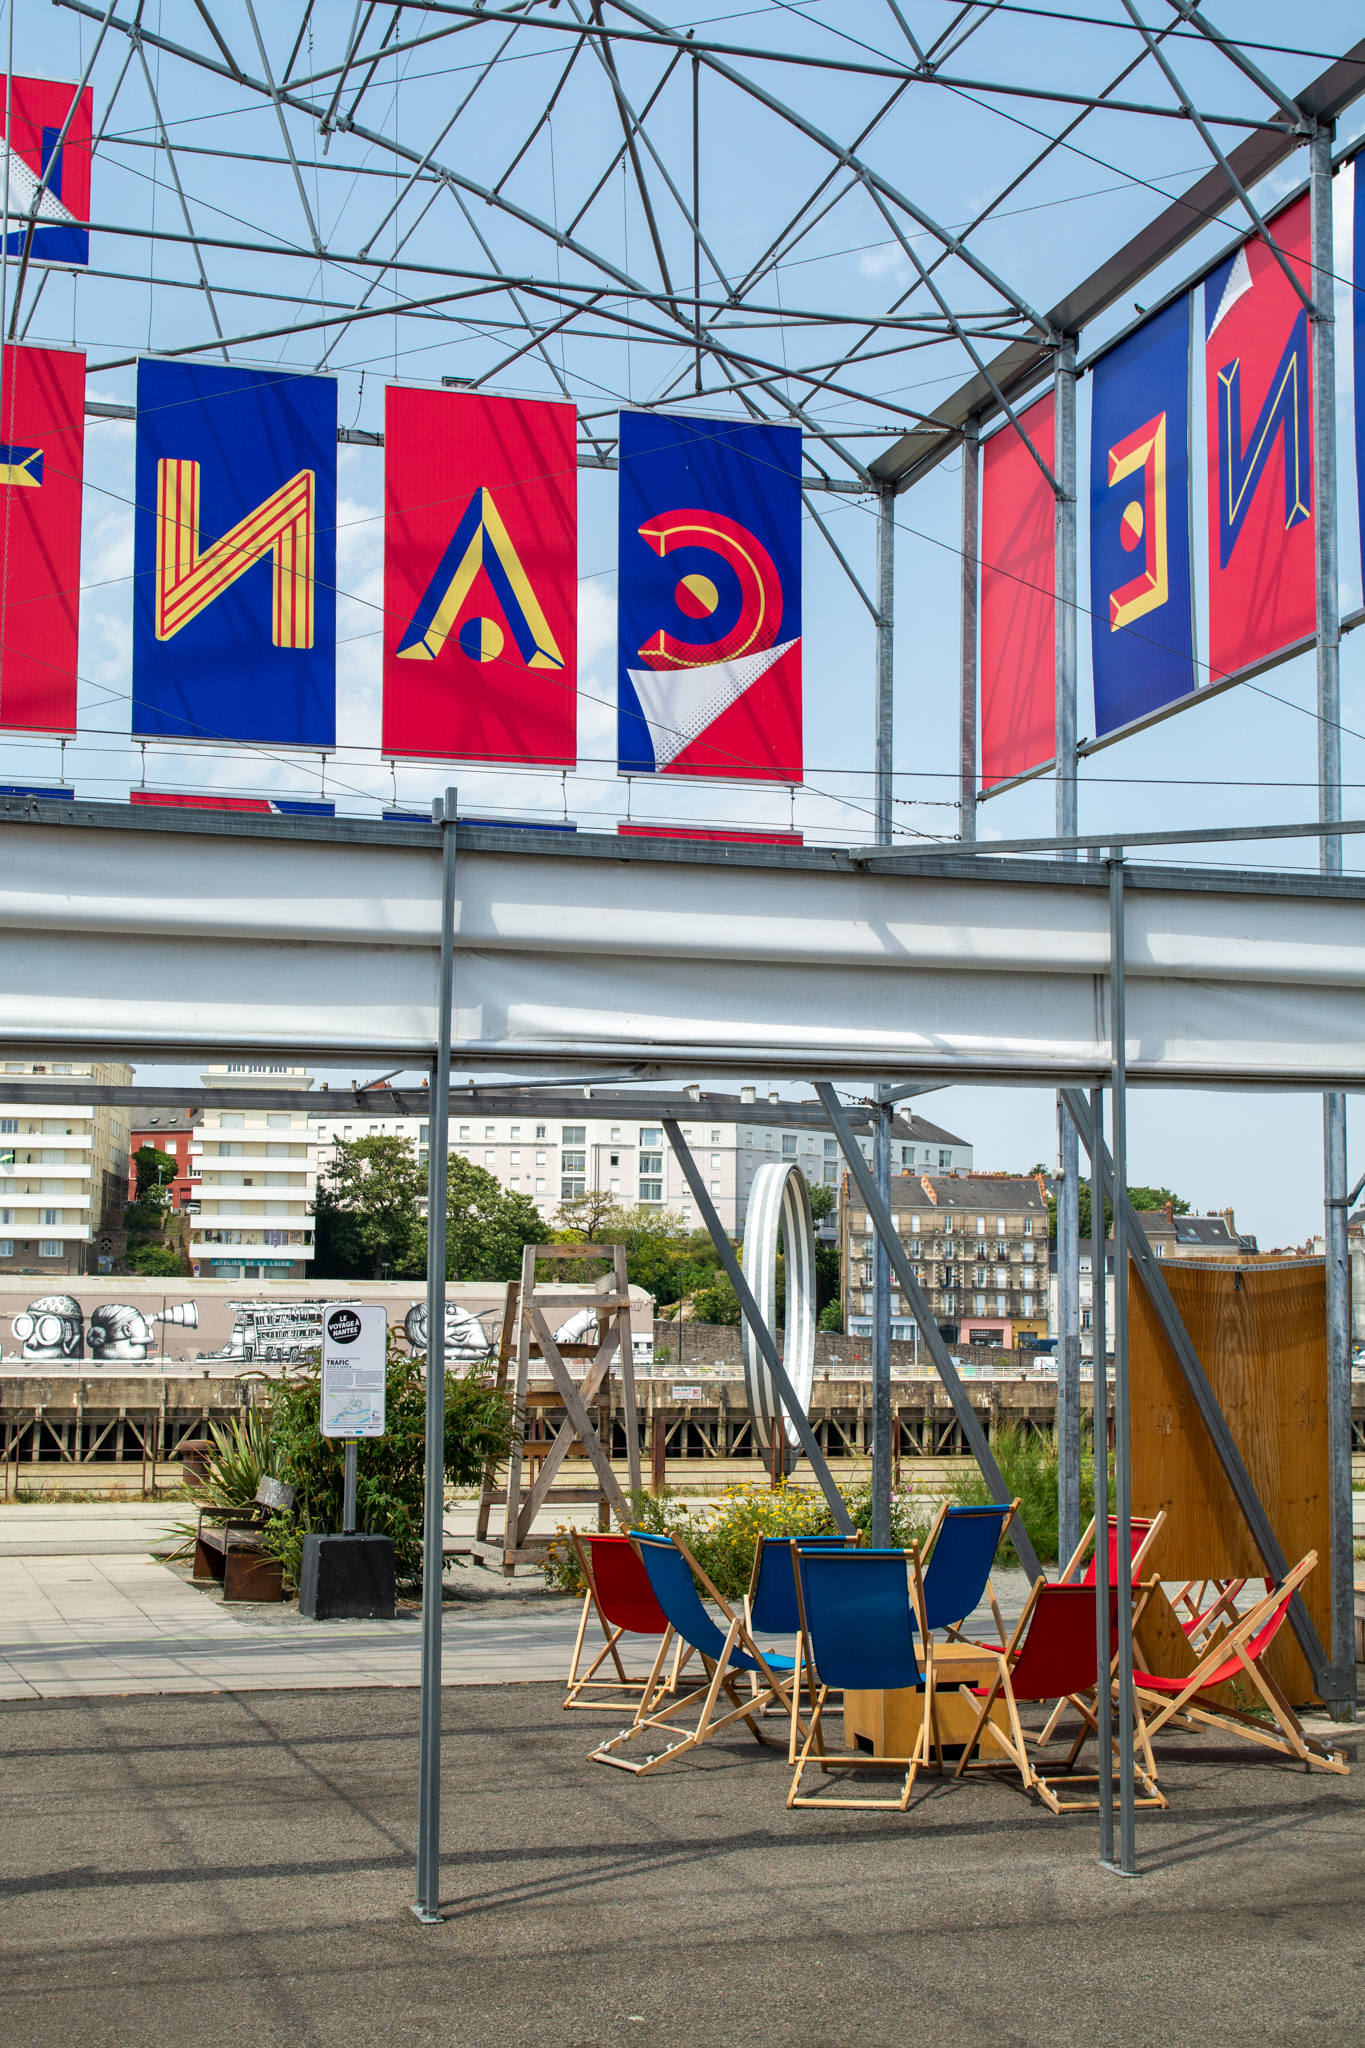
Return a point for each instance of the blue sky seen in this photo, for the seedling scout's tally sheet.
(1248, 755)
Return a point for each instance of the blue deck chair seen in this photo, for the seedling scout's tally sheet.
(957, 1577)
(770, 1605)
(670, 1566)
(856, 1626)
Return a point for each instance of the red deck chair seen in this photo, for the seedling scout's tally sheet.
(1142, 1534)
(1055, 1660)
(1240, 1655)
(620, 1595)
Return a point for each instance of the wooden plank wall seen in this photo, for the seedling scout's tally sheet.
(1261, 1334)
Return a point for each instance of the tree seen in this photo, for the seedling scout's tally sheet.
(1141, 1198)
(716, 1302)
(377, 1184)
(589, 1218)
(155, 1171)
(159, 1261)
(832, 1317)
(486, 1227)
(822, 1200)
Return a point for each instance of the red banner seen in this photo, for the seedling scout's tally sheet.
(480, 578)
(42, 439)
(1258, 366)
(1018, 588)
(627, 831)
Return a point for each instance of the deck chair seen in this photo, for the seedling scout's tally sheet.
(670, 1567)
(621, 1597)
(961, 1548)
(1052, 1655)
(1187, 1702)
(1143, 1532)
(770, 1605)
(1209, 1604)
(857, 1635)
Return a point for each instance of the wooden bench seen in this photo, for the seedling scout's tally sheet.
(230, 1553)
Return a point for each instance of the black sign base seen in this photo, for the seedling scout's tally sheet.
(347, 1578)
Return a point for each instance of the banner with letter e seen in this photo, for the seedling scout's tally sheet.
(42, 439)
(480, 578)
(1258, 366)
(709, 599)
(1141, 567)
(234, 555)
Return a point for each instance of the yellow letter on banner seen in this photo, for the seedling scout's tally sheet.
(188, 581)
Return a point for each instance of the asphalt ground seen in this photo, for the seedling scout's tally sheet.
(236, 1869)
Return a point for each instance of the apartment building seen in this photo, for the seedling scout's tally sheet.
(63, 1169)
(256, 1174)
(171, 1131)
(611, 1150)
(978, 1246)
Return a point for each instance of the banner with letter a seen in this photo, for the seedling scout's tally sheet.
(480, 578)
(1141, 567)
(42, 438)
(709, 599)
(1018, 600)
(234, 555)
(38, 109)
(1258, 367)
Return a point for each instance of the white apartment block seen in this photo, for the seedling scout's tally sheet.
(256, 1172)
(61, 1168)
(612, 1151)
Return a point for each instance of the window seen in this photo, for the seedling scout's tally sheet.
(516, 1159)
(489, 1130)
(540, 1159)
(616, 1134)
(6, 1247)
(1160, 1250)
(715, 1139)
(980, 1304)
(1002, 1276)
(6, 1215)
(981, 1281)
(651, 1190)
(278, 1123)
(540, 1131)
(945, 1158)
(50, 1248)
(540, 1187)
(1085, 1321)
(648, 1138)
(489, 1156)
(574, 1162)
(9, 1123)
(464, 1130)
(423, 1131)
(1028, 1226)
(831, 1173)
(1000, 1226)
(515, 1132)
(715, 1187)
(981, 1226)
(788, 1147)
(948, 1225)
(573, 1134)
(571, 1187)
(1001, 1304)
(651, 1162)
(1028, 1256)
(231, 1120)
(907, 1155)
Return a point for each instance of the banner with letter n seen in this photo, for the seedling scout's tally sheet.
(57, 229)
(709, 599)
(480, 578)
(1258, 368)
(42, 440)
(1141, 567)
(1018, 601)
(234, 608)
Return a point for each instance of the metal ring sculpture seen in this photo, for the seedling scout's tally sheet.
(780, 1195)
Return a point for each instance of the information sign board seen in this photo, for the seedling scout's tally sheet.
(354, 1339)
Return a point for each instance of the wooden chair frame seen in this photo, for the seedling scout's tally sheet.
(1074, 1562)
(719, 1678)
(1183, 1709)
(622, 1683)
(927, 1554)
(1015, 1744)
(814, 1750)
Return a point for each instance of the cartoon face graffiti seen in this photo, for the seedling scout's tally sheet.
(51, 1328)
(466, 1338)
(119, 1332)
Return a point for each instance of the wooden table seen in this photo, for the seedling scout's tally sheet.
(887, 1723)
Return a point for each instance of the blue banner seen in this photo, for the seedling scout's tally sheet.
(709, 599)
(1141, 580)
(234, 610)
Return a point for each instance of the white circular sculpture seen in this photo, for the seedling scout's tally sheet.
(780, 1195)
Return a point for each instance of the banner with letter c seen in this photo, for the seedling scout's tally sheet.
(1141, 568)
(1258, 367)
(234, 555)
(709, 599)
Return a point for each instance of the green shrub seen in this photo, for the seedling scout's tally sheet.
(1028, 1466)
(155, 1260)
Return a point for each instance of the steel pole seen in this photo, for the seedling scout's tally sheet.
(886, 612)
(348, 1490)
(971, 570)
(1104, 1651)
(881, 1341)
(1068, 1331)
(427, 1906)
(1342, 1560)
(1123, 1544)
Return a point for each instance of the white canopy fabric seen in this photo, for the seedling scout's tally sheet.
(129, 932)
